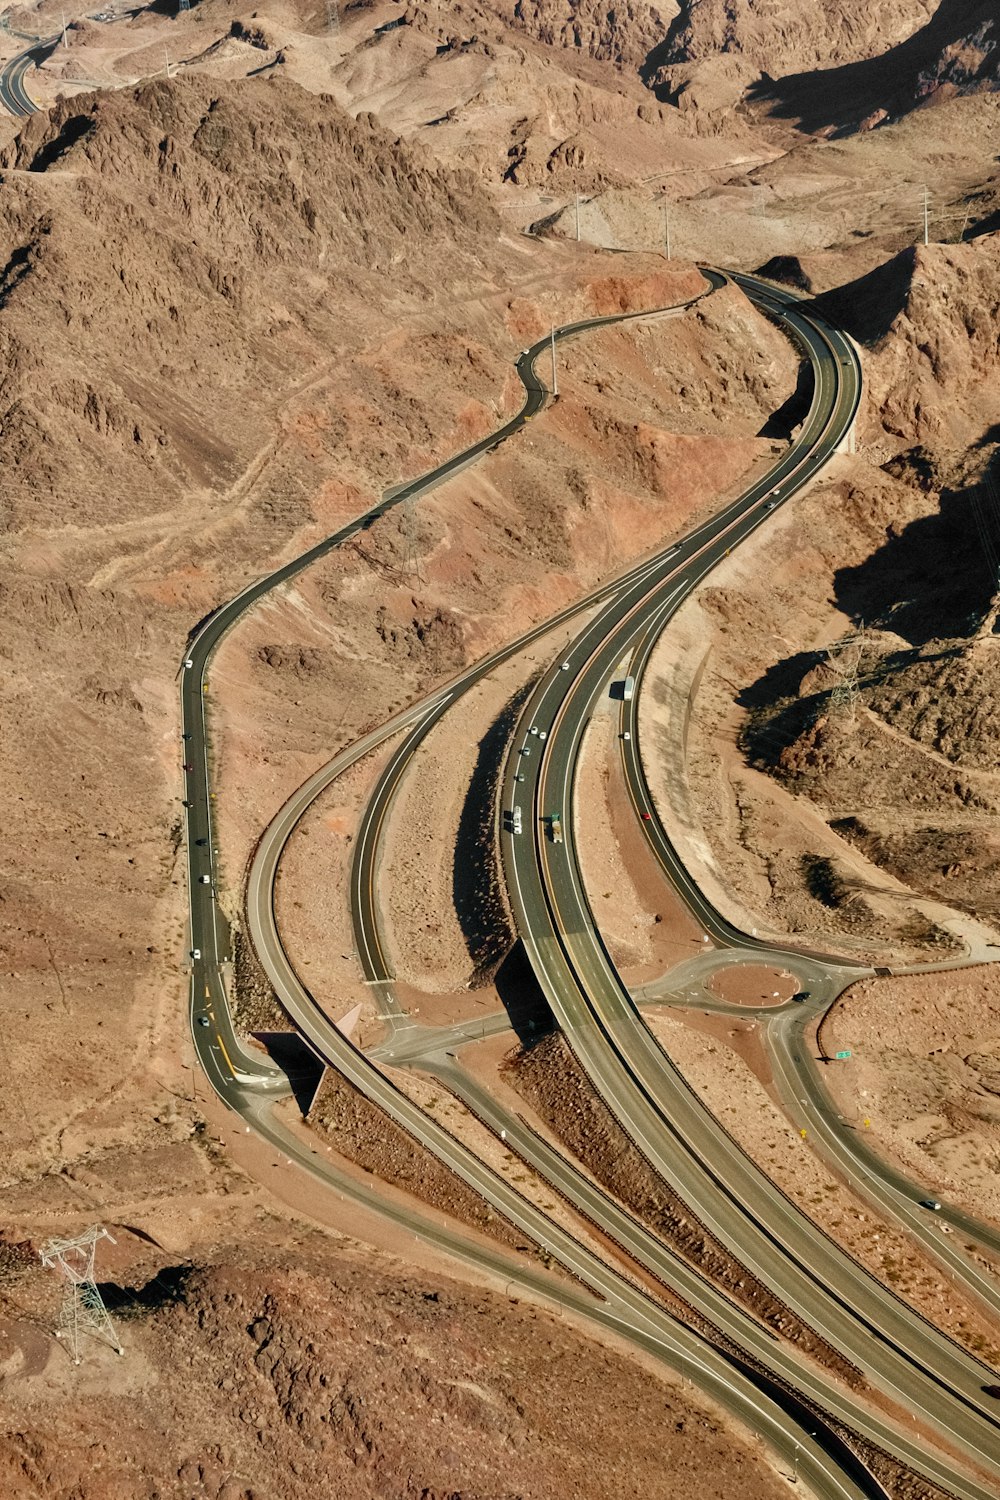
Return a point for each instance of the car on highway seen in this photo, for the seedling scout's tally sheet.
(991, 1390)
(202, 1020)
(188, 766)
(932, 1204)
(647, 817)
(564, 667)
(195, 952)
(205, 879)
(626, 735)
(800, 995)
(189, 663)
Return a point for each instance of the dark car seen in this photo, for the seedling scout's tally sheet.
(991, 1390)
(801, 995)
(188, 766)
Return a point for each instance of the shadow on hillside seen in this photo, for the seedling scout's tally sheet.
(781, 424)
(934, 578)
(522, 998)
(867, 308)
(477, 881)
(846, 95)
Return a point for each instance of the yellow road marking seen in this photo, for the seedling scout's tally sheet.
(226, 1055)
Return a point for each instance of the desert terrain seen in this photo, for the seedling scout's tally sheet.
(257, 270)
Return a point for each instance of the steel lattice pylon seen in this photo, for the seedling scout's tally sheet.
(83, 1311)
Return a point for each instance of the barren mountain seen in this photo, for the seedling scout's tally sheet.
(957, 51)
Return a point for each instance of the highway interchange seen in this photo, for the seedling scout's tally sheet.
(916, 1367)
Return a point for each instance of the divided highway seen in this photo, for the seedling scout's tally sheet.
(626, 1065)
(244, 1081)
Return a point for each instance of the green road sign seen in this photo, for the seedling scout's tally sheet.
(841, 1056)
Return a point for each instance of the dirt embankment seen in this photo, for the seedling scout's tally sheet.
(359, 1131)
(549, 1077)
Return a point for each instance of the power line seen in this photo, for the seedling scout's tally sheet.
(83, 1311)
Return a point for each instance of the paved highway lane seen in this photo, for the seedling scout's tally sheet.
(623, 1305)
(364, 906)
(14, 95)
(209, 942)
(669, 1124)
(825, 976)
(243, 1080)
(233, 1072)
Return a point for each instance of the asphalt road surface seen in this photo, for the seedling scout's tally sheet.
(244, 1081)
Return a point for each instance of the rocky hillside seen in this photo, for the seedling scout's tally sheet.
(854, 64)
(251, 1375)
(172, 244)
(623, 34)
(929, 319)
(957, 51)
(893, 732)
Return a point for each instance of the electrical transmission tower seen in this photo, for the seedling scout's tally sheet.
(333, 17)
(183, 5)
(83, 1311)
(846, 659)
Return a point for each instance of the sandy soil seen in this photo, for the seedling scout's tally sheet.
(923, 1072)
(726, 1062)
(753, 984)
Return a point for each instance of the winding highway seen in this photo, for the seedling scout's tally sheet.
(247, 1083)
(671, 1126)
(13, 95)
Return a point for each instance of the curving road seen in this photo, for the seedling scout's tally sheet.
(13, 94)
(673, 1129)
(369, 946)
(244, 1081)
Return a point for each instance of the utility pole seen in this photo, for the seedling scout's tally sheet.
(555, 373)
(83, 1309)
(166, 59)
(578, 216)
(183, 5)
(666, 230)
(65, 43)
(927, 216)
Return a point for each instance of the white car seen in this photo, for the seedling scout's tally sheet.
(189, 663)
(195, 952)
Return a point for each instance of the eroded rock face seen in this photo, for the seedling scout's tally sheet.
(852, 66)
(773, 39)
(623, 34)
(930, 319)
